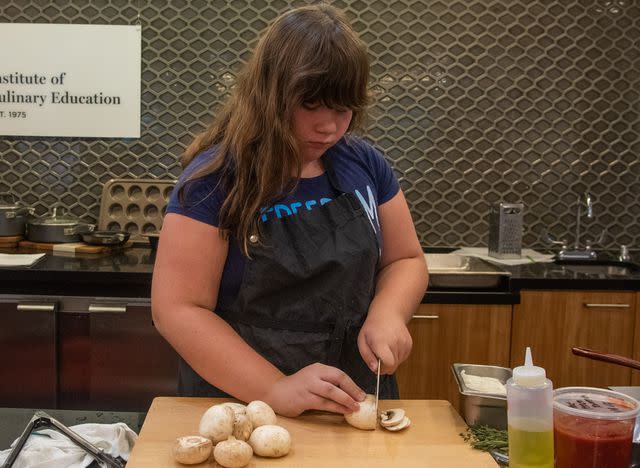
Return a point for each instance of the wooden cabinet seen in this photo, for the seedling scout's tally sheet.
(111, 355)
(29, 353)
(447, 333)
(130, 362)
(76, 352)
(552, 322)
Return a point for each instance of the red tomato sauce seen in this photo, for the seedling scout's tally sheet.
(591, 443)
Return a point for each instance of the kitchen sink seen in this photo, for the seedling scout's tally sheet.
(454, 271)
(608, 267)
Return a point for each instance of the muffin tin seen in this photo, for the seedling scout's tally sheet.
(136, 206)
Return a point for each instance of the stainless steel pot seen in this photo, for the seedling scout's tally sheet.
(57, 227)
(13, 216)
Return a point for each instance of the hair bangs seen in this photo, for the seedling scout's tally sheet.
(333, 91)
(338, 79)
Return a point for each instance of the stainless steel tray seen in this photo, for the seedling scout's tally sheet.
(482, 408)
(453, 271)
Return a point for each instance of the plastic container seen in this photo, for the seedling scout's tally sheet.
(593, 427)
(530, 416)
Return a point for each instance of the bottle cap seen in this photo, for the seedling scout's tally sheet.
(529, 375)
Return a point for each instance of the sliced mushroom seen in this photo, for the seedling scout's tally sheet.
(391, 417)
(190, 450)
(406, 422)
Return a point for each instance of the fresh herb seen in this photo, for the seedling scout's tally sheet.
(487, 439)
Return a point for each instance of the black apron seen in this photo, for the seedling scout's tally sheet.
(305, 294)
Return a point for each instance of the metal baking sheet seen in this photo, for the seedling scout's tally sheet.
(136, 206)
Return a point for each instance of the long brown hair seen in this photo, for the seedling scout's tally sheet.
(308, 54)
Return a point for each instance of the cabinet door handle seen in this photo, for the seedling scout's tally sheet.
(37, 306)
(426, 317)
(107, 308)
(616, 306)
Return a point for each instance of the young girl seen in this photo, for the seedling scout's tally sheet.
(288, 263)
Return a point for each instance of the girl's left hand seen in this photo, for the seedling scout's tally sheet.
(384, 336)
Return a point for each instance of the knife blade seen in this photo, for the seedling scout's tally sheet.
(377, 386)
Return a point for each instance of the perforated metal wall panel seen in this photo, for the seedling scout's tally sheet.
(477, 101)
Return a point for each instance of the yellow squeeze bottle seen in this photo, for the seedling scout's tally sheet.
(530, 416)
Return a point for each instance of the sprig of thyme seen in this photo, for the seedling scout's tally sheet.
(486, 438)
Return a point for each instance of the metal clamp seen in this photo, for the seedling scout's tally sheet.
(42, 420)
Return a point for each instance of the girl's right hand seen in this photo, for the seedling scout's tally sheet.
(315, 387)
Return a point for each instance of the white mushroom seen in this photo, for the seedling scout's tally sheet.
(242, 426)
(270, 441)
(236, 407)
(391, 417)
(406, 422)
(190, 450)
(217, 423)
(260, 414)
(232, 453)
(366, 417)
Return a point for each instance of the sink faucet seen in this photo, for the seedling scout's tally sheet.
(578, 253)
(589, 204)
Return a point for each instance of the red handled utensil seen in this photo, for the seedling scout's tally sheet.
(612, 358)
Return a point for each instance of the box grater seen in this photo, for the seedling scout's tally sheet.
(505, 230)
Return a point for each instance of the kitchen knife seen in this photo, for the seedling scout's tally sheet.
(377, 387)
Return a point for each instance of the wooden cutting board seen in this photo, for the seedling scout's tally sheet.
(9, 241)
(324, 440)
(73, 247)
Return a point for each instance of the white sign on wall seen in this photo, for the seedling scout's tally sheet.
(72, 80)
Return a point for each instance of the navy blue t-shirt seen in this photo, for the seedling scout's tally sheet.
(359, 168)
